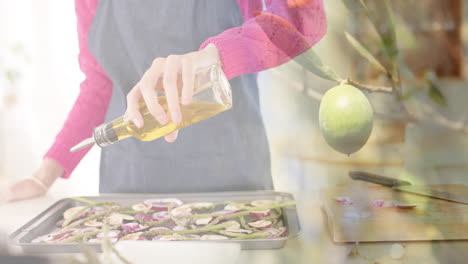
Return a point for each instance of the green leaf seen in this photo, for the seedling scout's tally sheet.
(312, 62)
(364, 52)
(435, 94)
(381, 16)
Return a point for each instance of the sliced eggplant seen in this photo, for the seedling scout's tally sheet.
(130, 227)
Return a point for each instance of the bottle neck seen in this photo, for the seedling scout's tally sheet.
(104, 135)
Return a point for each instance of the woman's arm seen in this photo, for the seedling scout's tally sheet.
(91, 105)
(268, 39)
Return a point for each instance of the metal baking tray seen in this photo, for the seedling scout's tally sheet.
(45, 222)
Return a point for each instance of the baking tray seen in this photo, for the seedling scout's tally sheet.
(45, 222)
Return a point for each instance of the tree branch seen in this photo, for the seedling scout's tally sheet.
(458, 126)
(369, 88)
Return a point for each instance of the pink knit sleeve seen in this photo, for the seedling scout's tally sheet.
(91, 105)
(267, 39)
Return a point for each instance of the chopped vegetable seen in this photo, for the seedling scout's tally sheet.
(162, 204)
(181, 210)
(70, 213)
(93, 223)
(130, 227)
(141, 207)
(232, 207)
(203, 221)
(143, 218)
(262, 203)
(173, 220)
(260, 224)
(160, 216)
(276, 232)
(261, 213)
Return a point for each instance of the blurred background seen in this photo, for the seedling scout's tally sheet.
(39, 81)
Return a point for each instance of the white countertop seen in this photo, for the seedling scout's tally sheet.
(313, 245)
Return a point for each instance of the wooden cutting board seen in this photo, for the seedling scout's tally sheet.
(432, 219)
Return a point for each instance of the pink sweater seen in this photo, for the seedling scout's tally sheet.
(245, 49)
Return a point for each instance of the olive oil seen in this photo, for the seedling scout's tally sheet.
(152, 129)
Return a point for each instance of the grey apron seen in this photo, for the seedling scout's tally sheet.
(228, 152)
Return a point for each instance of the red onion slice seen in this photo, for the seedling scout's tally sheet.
(143, 218)
(93, 223)
(130, 227)
(162, 204)
(343, 200)
(160, 216)
(132, 236)
(259, 214)
(260, 224)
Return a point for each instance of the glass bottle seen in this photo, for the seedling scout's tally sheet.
(212, 95)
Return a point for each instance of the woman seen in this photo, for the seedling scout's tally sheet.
(127, 48)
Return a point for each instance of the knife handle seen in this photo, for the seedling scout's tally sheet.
(374, 178)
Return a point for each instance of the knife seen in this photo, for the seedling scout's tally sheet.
(461, 195)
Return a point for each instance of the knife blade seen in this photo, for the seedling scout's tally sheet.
(461, 195)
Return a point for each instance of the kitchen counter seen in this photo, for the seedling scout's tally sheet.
(313, 245)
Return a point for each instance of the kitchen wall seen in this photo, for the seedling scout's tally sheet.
(49, 84)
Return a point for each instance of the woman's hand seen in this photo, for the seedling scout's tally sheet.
(35, 186)
(165, 71)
